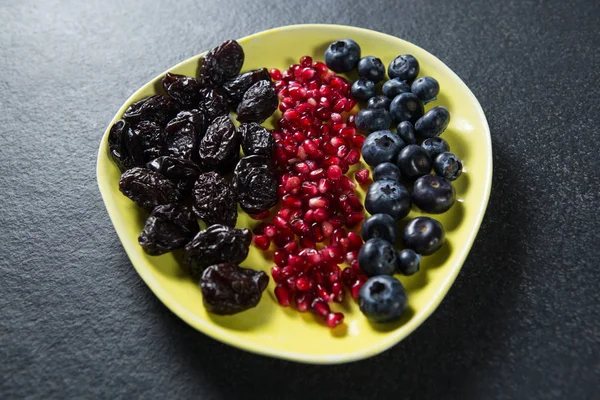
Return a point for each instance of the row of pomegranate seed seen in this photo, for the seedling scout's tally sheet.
(316, 143)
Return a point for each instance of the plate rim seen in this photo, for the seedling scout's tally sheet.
(218, 333)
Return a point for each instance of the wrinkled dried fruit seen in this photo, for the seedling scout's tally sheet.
(147, 188)
(169, 227)
(256, 140)
(216, 244)
(151, 139)
(183, 173)
(228, 289)
(222, 63)
(220, 147)
(258, 103)
(255, 183)
(184, 89)
(156, 108)
(116, 145)
(213, 104)
(236, 87)
(214, 200)
(194, 117)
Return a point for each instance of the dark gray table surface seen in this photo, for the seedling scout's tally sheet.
(522, 320)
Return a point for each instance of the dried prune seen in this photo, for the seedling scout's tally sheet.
(255, 183)
(116, 145)
(256, 140)
(183, 173)
(222, 63)
(236, 87)
(216, 244)
(214, 200)
(258, 103)
(228, 289)
(169, 227)
(147, 188)
(157, 108)
(194, 117)
(213, 104)
(184, 89)
(151, 137)
(220, 146)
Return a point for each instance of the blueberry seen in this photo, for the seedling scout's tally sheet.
(386, 170)
(388, 197)
(382, 299)
(372, 68)
(405, 67)
(408, 262)
(434, 146)
(406, 131)
(413, 161)
(376, 102)
(424, 235)
(406, 107)
(363, 89)
(378, 257)
(433, 194)
(447, 165)
(381, 146)
(370, 120)
(380, 226)
(342, 55)
(394, 87)
(426, 88)
(433, 123)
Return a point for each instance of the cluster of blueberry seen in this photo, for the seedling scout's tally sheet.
(398, 161)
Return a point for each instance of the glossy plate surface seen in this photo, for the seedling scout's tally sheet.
(285, 333)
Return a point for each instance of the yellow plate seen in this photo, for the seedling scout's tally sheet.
(285, 333)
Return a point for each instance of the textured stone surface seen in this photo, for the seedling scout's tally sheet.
(521, 322)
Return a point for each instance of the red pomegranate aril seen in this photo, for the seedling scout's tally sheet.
(283, 237)
(313, 257)
(331, 254)
(291, 201)
(296, 261)
(275, 74)
(348, 277)
(292, 182)
(362, 176)
(299, 227)
(269, 230)
(337, 83)
(329, 149)
(307, 74)
(354, 219)
(262, 242)
(283, 295)
(291, 247)
(309, 189)
(325, 186)
(321, 68)
(304, 284)
(355, 288)
(356, 241)
(342, 151)
(320, 307)
(334, 319)
(336, 117)
(320, 215)
(344, 166)
(336, 128)
(337, 292)
(358, 141)
(337, 142)
(327, 229)
(311, 165)
(317, 233)
(292, 116)
(346, 183)
(347, 132)
(344, 244)
(334, 172)
(275, 273)
(261, 215)
(318, 202)
(303, 301)
(280, 258)
(339, 105)
(307, 242)
(325, 129)
(309, 216)
(316, 175)
(353, 157)
(280, 222)
(306, 61)
(331, 160)
(323, 113)
(351, 255)
(321, 291)
(302, 168)
(336, 222)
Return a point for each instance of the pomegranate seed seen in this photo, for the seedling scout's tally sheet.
(317, 233)
(292, 116)
(362, 176)
(336, 117)
(348, 277)
(316, 174)
(323, 113)
(330, 149)
(275, 74)
(331, 160)
(337, 292)
(302, 168)
(308, 74)
(291, 201)
(337, 142)
(283, 295)
(344, 244)
(299, 227)
(262, 242)
(325, 186)
(336, 128)
(334, 172)
(337, 235)
(355, 288)
(313, 257)
(306, 61)
(321, 68)
(270, 231)
(356, 241)
(280, 257)
(318, 202)
(347, 132)
(345, 182)
(307, 242)
(320, 215)
(334, 319)
(337, 83)
(280, 223)
(292, 183)
(331, 254)
(351, 255)
(303, 284)
(283, 237)
(261, 215)
(358, 141)
(291, 247)
(259, 229)
(342, 151)
(311, 165)
(336, 222)
(309, 189)
(303, 301)
(309, 216)
(320, 307)
(297, 261)
(354, 219)
(339, 105)
(327, 228)
(275, 273)
(321, 292)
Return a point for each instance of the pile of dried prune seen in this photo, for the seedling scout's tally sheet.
(177, 150)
